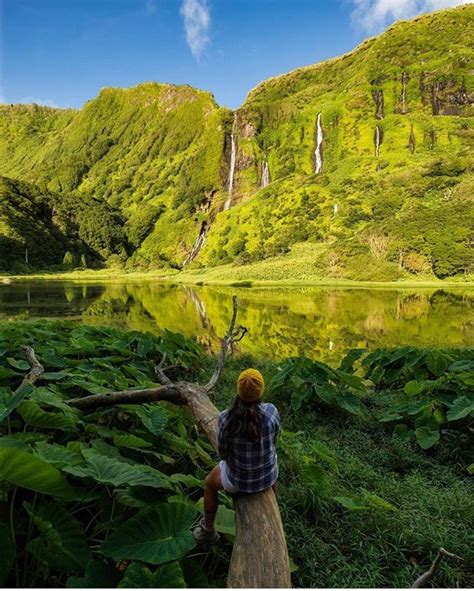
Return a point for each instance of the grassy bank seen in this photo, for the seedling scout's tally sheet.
(286, 271)
(361, 506)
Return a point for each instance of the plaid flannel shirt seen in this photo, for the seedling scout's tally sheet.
(251, 467)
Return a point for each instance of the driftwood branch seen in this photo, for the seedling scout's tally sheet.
(260, 555)
(160, 373)
(36, 369)
(170, 393)
(425, 577)
(234, 335)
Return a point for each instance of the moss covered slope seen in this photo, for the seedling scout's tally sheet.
(380, 210)
(381, 191)
(152, 151)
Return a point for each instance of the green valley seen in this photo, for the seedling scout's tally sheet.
(358, 168)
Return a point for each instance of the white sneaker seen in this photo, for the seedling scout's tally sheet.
(203, 534)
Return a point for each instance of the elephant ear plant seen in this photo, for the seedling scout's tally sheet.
(97, 445)
(436, 391)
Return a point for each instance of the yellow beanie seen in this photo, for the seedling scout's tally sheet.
(250, 385)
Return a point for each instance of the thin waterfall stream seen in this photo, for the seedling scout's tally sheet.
(319, 143)
(233, 157)
(265, 175)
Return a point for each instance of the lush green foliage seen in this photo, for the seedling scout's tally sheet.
(40, 229)
(81, 489)
(110, 496)
(307, 380)
(158, 155)
(437, 386)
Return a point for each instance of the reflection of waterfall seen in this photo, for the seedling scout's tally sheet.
(319, 143)
(200, 307)
(265, 175)
(198, 244)
(233, 157)
(378, 137)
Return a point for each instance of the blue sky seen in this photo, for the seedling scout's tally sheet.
(62, 52)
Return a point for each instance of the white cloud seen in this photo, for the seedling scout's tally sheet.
(374, 15)
(197, 20)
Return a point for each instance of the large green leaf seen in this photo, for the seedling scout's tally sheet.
(347, 364)
(324, 453)
(166, 576)
(8, 405)
(122, 439)
(461, 408)
(98, 575)
(437, 362)
(7, 553)
(154, 419)
(62, 543)
(24, 469)
(351, 503)
(155, 536)
(115, 472)
(34, 415)
(349, 402)
(413, 388)
(57, 455)
(225, 521)
(427, 436)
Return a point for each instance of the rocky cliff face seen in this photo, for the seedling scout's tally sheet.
(379, 131)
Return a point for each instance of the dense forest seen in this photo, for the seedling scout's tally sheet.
(355, 168)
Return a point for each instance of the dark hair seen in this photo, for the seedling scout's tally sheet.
(244, 420)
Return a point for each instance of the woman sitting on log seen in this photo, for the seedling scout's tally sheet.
(246, 438)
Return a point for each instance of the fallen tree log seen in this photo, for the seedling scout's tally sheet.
(260, 555)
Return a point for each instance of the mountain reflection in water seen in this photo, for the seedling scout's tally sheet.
(321, 323)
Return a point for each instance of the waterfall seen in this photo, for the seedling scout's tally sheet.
(377, 95)
(378, 139)
(319, 142)
(265, 175)
(335, 209)
(233, 157)
(198, 244)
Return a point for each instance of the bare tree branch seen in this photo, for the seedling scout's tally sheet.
(425, 577)
(36, 370)
(170, 393)
(234, 335)
(160, 373)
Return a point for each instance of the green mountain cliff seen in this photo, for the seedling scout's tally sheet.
(359, 167)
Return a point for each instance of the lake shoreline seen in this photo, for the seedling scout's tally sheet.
(199, 280)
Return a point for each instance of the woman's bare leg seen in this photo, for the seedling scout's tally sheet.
(213, 484)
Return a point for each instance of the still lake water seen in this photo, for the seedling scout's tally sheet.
(322, 323)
